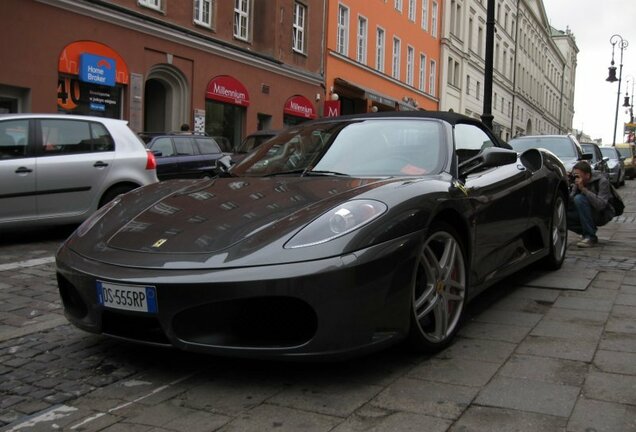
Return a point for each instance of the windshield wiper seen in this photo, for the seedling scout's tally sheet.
(288, 172)
(325, 173)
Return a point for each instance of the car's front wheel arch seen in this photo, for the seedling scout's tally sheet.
(438, 288)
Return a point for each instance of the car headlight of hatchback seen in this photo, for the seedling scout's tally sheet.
(337, 222)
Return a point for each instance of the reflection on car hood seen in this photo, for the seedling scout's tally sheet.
(218, 214)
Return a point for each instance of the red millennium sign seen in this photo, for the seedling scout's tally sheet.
(299, 106)
(225, 88)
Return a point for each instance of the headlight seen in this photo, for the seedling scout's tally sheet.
(337, 222)
(95, 217)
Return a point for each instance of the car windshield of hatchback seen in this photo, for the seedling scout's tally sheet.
(626, 152)
(375, 147)
(562, 147)
(609, 152)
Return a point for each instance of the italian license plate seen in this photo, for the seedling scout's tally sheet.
(127, 297)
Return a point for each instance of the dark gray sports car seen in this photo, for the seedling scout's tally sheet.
(338, 237)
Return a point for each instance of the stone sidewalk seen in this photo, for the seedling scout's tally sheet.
(548, 352)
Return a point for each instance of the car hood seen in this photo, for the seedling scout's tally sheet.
(219, 222)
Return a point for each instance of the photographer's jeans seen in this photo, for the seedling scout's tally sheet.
(580, 218)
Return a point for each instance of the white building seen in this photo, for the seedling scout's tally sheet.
(534, 67)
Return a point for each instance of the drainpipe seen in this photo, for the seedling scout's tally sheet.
(514, 73)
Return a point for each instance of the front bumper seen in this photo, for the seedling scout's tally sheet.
(331, 308)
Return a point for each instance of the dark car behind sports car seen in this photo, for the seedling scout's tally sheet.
(565, 147)
(338, 237)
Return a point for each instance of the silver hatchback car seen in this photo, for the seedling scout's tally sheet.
(59, 169)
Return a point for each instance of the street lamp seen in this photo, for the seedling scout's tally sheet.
(612, 74)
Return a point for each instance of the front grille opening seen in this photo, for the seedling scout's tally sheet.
(141, 328)
(71, 299)
(262, 322)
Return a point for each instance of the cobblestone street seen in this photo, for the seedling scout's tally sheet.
(550, 352)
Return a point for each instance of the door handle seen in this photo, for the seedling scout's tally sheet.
(23, 170)
(100, 164)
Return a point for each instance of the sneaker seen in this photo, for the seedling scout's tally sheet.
(587, 242)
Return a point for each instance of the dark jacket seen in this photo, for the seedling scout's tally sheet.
(598, 194)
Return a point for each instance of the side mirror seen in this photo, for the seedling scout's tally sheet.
(488, 158)
(606, 159)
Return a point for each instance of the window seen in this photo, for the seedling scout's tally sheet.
(410, 60)
(14, 139)
(397, 48)
(432, 77)
(342, 43)
(398, 5)
(163, 145)
(362, 39)
(470, 34)
(494, 102)
(470, 137)
(425, 15)
(478, 90)
(422, 85)
(298, 35)
(241, 19)
(453, 72)
(480, 41)
(455, 18)
(468, 84)
(203, 12)
(184, 146)
(434, 20)
(207, 146)
(412, 8)
(379, 59)
(74, 136)
(152, 4)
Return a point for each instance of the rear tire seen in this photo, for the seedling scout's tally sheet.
(558, 235)
(438, 288)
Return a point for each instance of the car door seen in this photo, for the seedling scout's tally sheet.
(210, 153)
(17, 171)
(190, 161)
(166, 156)
(70, 172)
(501, 199)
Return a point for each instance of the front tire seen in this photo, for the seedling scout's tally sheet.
(438, 290)
(558, 235)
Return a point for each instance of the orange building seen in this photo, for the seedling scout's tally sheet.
(382, 55)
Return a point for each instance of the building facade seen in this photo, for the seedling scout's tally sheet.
(534, 67)
(382, 55)
(224, 67)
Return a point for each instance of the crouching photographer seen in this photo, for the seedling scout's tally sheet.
(589, 203)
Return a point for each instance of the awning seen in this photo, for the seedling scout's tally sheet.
(372, 95)
(299, 106)
(69, 60)
(225, 88)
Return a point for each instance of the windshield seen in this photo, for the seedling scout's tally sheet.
(361, 148)
(626, 152)
(609, 152)
(562, 147)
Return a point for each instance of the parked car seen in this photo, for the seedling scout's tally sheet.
(628, 151)
(383, 230)
(615, 165)
(59, 169)
(565, 147)
(224, 143)
(187, 156)
(252, 141)
(598, 161)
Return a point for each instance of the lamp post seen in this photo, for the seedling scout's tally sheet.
(612, 74)
(487, 116)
